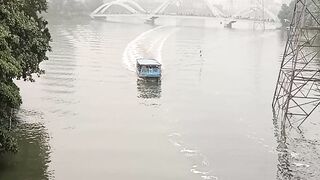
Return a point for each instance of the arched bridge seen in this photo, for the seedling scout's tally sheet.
(129, 7)
(183, 9)
(169, 7)
(256, 11)
(186, 7)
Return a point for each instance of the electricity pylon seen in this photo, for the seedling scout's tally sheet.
(297, 94)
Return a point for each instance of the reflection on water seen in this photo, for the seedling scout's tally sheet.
(31, 162)
(298, 155)
(299, 149)
(149, 88)
(298, 159)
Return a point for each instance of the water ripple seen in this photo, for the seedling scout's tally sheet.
(201, 166)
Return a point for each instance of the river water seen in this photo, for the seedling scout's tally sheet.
(210, 116)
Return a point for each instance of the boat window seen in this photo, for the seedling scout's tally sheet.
(155, 70)
(144, 69)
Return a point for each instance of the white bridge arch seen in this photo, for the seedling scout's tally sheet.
(134, 8)
(129, 5)
(210, 4)
(256, 8)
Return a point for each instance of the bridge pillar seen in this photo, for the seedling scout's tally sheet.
(151, 20)
(229, 24)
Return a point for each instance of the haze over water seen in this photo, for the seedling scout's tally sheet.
(210, 117)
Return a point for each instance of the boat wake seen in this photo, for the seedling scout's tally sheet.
(200, 164)
(147, 45)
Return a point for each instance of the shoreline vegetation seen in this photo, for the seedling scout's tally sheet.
(286, 13)
(24, 41)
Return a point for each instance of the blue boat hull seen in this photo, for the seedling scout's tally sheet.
(149, 75)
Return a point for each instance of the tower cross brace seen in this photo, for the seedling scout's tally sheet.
(297, 93)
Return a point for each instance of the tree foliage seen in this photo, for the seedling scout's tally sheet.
(24, 41)
(286, 13)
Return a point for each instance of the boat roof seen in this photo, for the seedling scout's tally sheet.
(148, 62)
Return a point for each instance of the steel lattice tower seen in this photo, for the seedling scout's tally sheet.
(297, 93)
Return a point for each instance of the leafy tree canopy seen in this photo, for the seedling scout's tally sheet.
(285, 14)
(24, 41)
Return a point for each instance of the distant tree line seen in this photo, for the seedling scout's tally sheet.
(286, 13)
(71, 8)
(24, 41)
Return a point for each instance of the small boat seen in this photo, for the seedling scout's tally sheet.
(148, 68)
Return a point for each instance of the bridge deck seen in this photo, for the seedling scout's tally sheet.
(147, 16)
